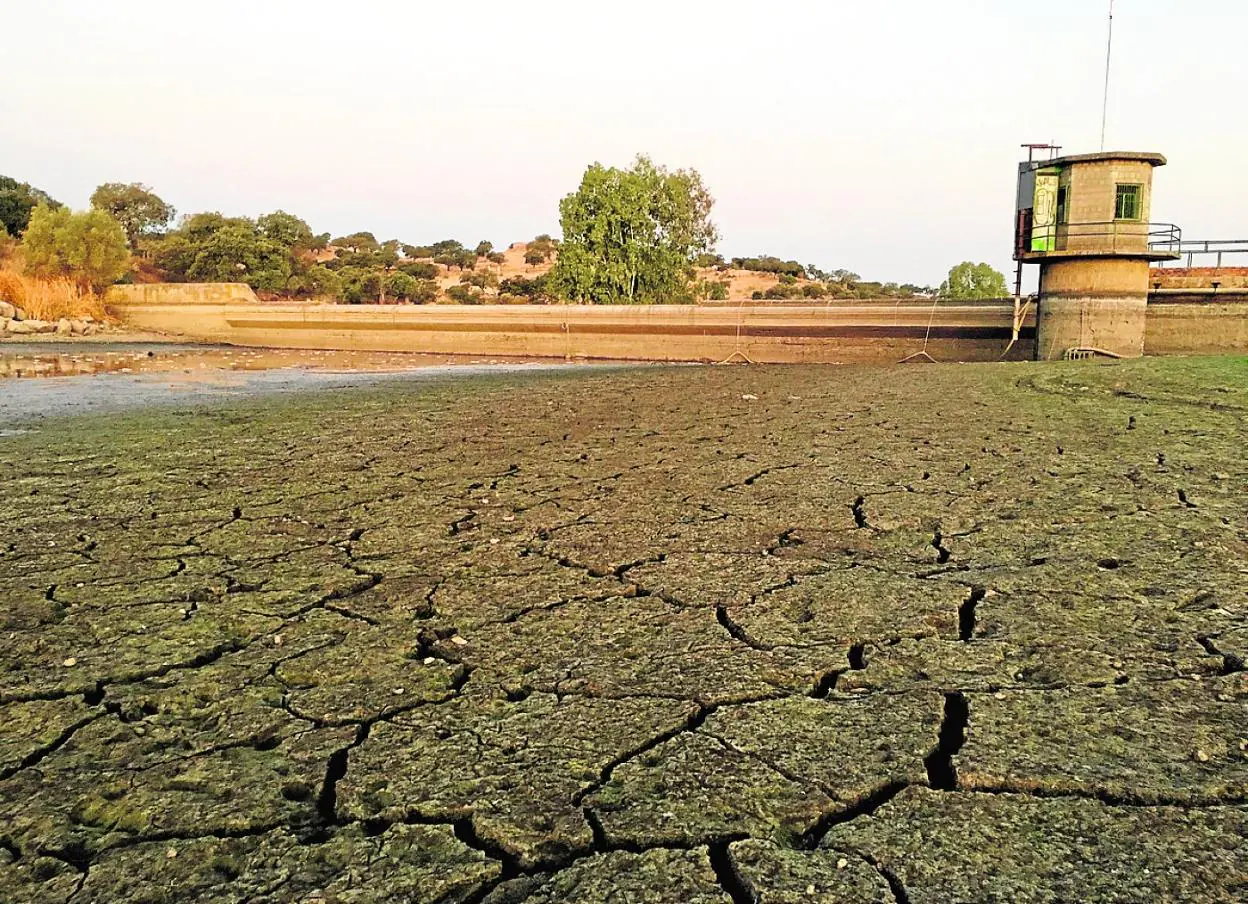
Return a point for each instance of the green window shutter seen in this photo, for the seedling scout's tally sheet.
(1127, 203)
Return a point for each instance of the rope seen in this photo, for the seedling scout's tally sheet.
(931, 319)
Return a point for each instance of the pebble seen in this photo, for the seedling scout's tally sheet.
(749, 398)
(1201, 756)
(431, 660)
(70, 662)
(459, 641)
(842, 863)
(171, 853)
(398, 691)
(277, 640)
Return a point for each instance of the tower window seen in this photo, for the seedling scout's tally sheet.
(1127, 204)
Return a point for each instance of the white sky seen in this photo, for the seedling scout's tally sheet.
(878, 135)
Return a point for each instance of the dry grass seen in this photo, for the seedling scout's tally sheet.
(49, 299)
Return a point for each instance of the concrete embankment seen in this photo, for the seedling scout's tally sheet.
(827, 333)
(1178, 323)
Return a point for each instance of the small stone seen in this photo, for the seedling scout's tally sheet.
(1220, 476)
(277, 640)
(999, 695)
(70, 662)
(749, 398)
(842, 864)
(397, 691)
(1201, 756)
(171, 853)
(459, 641)
(430, 660)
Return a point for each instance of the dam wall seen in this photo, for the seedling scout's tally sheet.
(1178, 322)
(828, 333)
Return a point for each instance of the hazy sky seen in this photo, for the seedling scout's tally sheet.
(877, 135)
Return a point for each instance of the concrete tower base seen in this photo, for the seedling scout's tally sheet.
(1098, 304)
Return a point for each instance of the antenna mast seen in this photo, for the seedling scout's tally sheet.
(1109, 56)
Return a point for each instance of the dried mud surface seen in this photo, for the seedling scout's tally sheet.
(907, 636)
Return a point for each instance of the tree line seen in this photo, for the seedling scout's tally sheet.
(636, 235)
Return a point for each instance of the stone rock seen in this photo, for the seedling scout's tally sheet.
(4, 325)
(7, 310)
(40, 326)
(77, 327)
(64, 327)
(90, 329)
(18, 313)
(21, 327)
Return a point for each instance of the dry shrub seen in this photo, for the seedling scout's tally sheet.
(49, 299)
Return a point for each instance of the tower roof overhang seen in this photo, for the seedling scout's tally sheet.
(1109, 157)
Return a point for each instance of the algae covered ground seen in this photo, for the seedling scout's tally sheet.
(925, 635)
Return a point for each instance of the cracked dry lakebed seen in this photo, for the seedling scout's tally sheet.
(880, 635)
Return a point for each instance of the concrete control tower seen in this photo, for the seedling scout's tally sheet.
(1085, 220)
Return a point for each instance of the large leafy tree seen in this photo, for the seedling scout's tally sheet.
(17, 201)
(287, 229)
(89, 248)
(632, 236)
(969, 280)
(135, 206)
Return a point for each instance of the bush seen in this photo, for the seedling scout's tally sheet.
(463, 295)
(318, 281)
(814, 290)
(533, 257)
(420, 270)
(89, 248)
(757, 295)
(718, 291)
(768, 264)
(482, 280)
(496, 257)
(533, 289)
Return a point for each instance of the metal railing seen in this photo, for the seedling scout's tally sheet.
(1109, 236)
(1212, 254)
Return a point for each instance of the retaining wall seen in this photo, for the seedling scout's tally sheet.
(1197, 325)
(884, 331)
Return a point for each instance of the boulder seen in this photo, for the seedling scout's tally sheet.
(7, 310)
(40, 326)
(77, 327)
(91, 330)
(18, 313)
(20, 327)
(4, 325)
(64, 327)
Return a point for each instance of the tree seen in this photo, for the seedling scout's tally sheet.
(135, 206)
(89, 248)
(632, 236)
(289, 231)
(969, 280)
(484, 249)
(400, 286)
(318, 281)
(358, 241)
(239, 252)
(17, 201)
(533, 257)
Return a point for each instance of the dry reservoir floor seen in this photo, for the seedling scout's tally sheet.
(927, 634)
